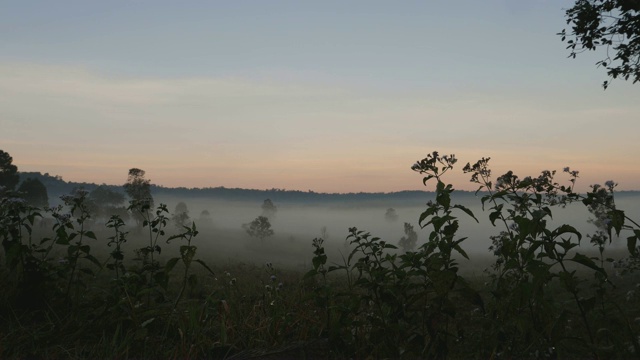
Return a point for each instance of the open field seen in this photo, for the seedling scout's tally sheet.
(316, 288)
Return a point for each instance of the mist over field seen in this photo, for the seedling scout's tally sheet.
(296, 224)
(303, 216)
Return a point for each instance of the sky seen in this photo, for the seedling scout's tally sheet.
(329, 96)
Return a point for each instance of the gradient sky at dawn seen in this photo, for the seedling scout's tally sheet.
(331, 96)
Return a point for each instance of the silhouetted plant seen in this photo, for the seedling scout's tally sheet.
(400, 305)
(408, 305)
(546, 297)
(77, 249)
(156, 225)
(118, 239)
(530, 255)
(187, 254)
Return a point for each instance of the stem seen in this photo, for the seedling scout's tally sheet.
(583, 314)
(76, 257)
(184, 278)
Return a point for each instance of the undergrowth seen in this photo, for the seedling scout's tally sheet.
(546, 295)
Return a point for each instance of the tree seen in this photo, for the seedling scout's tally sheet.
(34, 192)
(9, 177)
(105, 202)
(408, 242)
(391, 215)
(106, 197)
(138, 188)
(139, 191)
(180, 215)
(612, 24)
(205, 218)
(260, 228)
(269, 209)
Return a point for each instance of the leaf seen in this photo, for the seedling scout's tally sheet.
(205, 266)
(171, 264)
(90, 234)
(429, 212)
(319, 260)
(466, 210)
(494, 216)
(92, 259)
(586, 261)
(484, 199)
(564, 229)
(172, 237)
(617, 220)
(187, 253)
(310, 273)
(462, 252)
(62, 240)
(426, 178)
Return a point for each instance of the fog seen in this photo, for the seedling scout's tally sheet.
(223, 239)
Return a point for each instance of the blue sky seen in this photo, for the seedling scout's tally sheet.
(329, 96)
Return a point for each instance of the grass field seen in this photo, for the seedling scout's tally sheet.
(258, 304)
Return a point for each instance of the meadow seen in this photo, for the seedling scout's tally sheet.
(542, 272)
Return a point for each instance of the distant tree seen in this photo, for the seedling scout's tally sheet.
(139, 191)
(105, 202)
(408, 242)
(612, 24)
(260, 228)
(9, 177)
(138, 188)
(106, 197)
(269, 209)
(120, 211)
(391, 215)
(180, 215)
(34, 192)
(205, 218)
